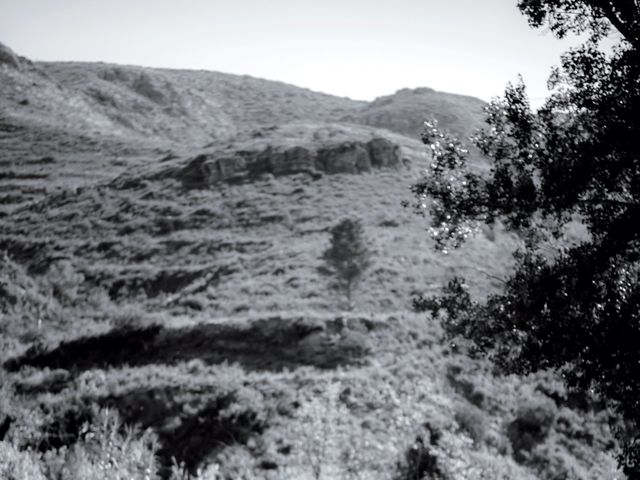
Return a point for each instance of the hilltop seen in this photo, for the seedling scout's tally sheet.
(198, 107)
(161, 242)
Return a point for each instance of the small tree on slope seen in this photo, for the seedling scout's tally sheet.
(577, 158)
(347, 255)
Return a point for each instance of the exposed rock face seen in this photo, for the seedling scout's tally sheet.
(347, 157)
(352, 157)
(296, 159)
(7, 57)
(382, 152)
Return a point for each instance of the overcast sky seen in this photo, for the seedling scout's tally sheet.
(360, 49)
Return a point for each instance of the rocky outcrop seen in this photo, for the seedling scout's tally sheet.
(383, 153)
(7, 57)
(351, 157)
(347, 157)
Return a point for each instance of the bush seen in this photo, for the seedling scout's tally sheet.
(531, 425)
(19, 465)
(64, 281)
(104, 450)
(419, 460)
(473, 421)
(24, 303)
(107, 451)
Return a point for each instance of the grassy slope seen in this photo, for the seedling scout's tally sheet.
(204, 315)
(405, 112)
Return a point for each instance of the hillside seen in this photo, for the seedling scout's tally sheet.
(161, 242)
(198, 107)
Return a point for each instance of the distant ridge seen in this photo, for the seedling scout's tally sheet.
(405, 111)
(196, 107)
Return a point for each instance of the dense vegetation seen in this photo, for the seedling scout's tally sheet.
(574, 163)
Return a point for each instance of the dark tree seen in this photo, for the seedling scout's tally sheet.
(576, 159)
(347, 255)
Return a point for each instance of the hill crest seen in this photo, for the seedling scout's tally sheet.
(196, 107)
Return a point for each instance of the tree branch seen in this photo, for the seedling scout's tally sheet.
(626, 26)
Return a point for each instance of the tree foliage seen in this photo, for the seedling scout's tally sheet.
(576, 159)
(348, 255)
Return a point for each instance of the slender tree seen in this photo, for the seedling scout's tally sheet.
(348, 255)
(576, 159)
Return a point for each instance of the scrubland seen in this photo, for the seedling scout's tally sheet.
(156, 329)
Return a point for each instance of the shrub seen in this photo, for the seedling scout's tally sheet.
(23, 302)
(64, 281)
(465, 386)
(419, 460)
(473, 421)
(531, 425)
(320, 416)
(552, 461)
(19, 465)
(104, 450)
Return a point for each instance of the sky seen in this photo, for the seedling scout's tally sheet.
(354, 48)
